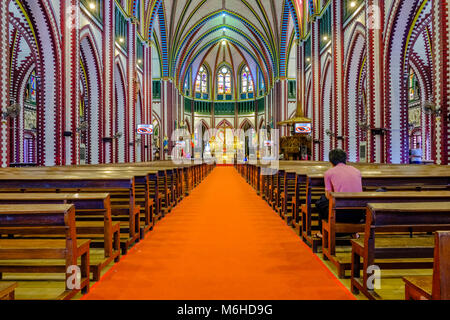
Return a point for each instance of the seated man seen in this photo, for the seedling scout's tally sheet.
(341, 178)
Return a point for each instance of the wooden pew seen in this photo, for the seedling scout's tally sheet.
(437, 286)
(7, 290)
(348, 203)
(120, 187)
(380, 250)
(88, 206)
(372, 179)
(165, 174)
(141, 175)
(49, 217)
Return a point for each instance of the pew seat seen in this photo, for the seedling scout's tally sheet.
(23, 255)
(382, 218)
(344, 204)
(7, 290)
(93, 221)
(418, 287)
(437, 286)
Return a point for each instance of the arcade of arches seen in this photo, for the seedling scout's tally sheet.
(370, 75)
(80, 79)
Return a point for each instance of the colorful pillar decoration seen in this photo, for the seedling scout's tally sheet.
(375, 79)
(317, 100)
(108, 86)
(441, 77)
(71, 85)
(338, 105)
(4, 80)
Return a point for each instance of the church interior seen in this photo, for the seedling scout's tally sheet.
(183, 150)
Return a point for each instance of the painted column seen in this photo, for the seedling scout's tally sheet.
(301, 94)
(375, 79)
(130, 127)
(4, 80)
(108, 78)
(441, 77)
(70, 22)
(339, 122)
(316, 83)
(283, 111)
(148, 95)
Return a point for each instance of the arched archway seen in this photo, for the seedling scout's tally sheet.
(35, 22)
(399, 41)
(326, 118)
(139, 141)
(119, 114)
(91, 75)
(353, 81)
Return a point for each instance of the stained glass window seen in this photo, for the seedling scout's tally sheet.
(201, 82)
(224, 81)
(30, 94)
(246, 81)
(413, 86)
(186, 84)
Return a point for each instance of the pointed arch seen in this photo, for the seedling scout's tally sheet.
(245, 123)
(401, 23)
(224, 80)
(261, 124)
(246, 80)
(224, 123)
(139, 147)
(92, 74)
(42, 25)
(326, 111)
(120, 112)
(354, 62)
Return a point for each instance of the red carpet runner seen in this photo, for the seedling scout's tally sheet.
(223, 242)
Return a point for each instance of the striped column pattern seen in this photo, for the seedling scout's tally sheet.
(108, 77)
(441, 77)
(375, 77)
(283, 104)
(338, 105)
(317, 100)
(147, 96)
(4, 80)
(70, 22)
(130, 127)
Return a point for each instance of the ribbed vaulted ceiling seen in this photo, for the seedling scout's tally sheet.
(259, 33)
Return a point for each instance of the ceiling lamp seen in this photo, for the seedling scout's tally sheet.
(325, 38)
(353, 4)
(121, 40)
(224, 42)
(92, 5)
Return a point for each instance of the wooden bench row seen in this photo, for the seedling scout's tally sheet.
(107, 209)
(294, 188)
(380, 249)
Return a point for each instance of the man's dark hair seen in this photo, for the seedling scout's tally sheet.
(338, 156)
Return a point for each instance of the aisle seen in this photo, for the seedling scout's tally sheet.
(221, 242)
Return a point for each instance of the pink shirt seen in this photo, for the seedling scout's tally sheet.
(343, 178)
